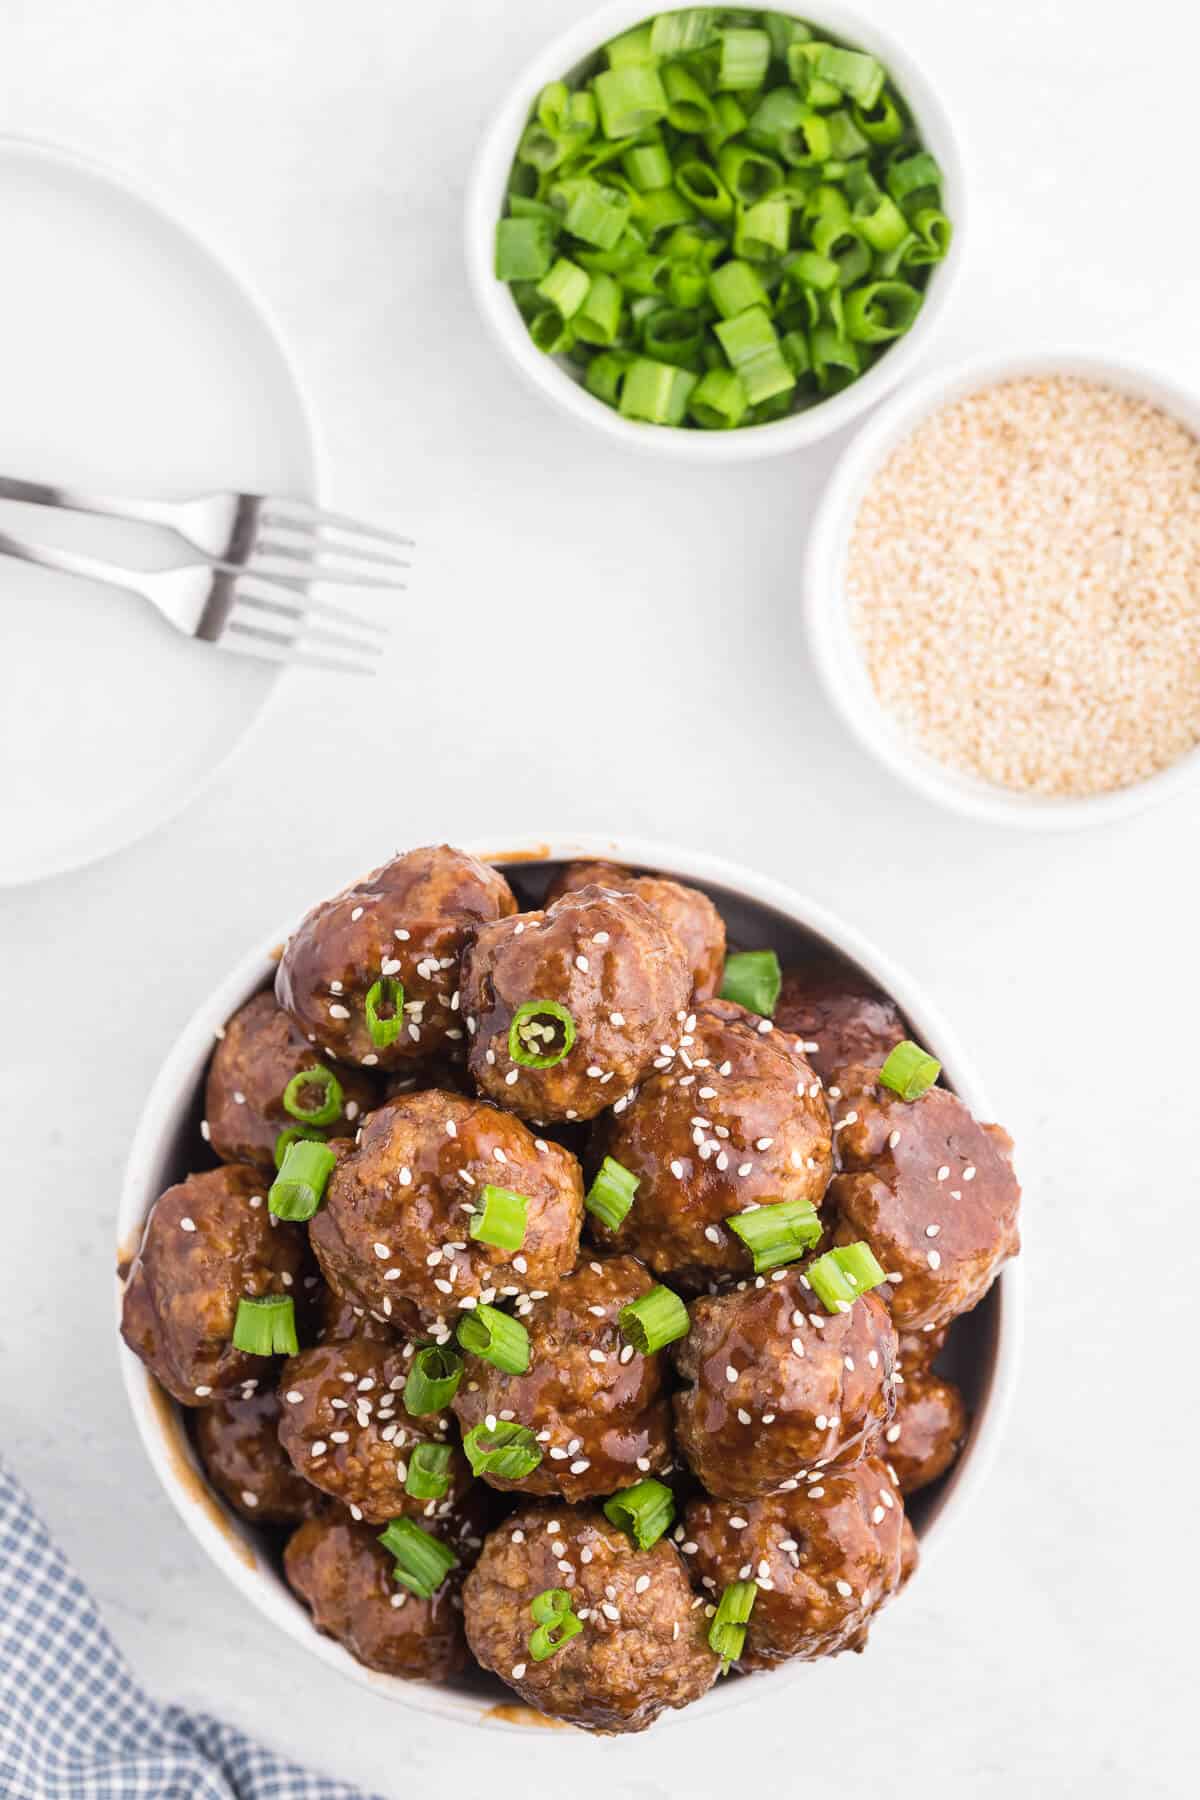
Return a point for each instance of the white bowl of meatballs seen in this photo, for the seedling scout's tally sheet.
(571, 1283)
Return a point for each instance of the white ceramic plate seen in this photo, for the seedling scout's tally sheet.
(130, 358)
(981, 1355)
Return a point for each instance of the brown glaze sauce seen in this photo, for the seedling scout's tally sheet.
(188, 1476)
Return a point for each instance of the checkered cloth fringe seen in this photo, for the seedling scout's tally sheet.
(74, 1725)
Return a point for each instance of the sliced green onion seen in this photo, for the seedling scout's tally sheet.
(777, 1233)
(507, 1451)
(934, 231)
(841, 1275)
(384, 1026)
(555, 1622)
(794, 345)
(327, 1108)
(762, 231)
(643, 1511)
(648, 166)
(599, 318)
(752, 346)
(718, 401)
(745, 54)
(909, 1071)
(753, 979)
(728, 120)
(634, 46)
(606, 376)
(703, 188)
(727, 1633)
(845, 139)
(656, 392)
(422, 1561)
(433, 1380)
(734, 286)
(673, 334)
(295, 1134)
(299, 1187)
(266, 1326)
(688, 285)
(491, 1334)
(881, 223)
(689, 108)
(882, 123)
(523, 249)
(835, 359)
(541, 1032)
(501, 1220)
(591, 211)
(630, 97)
(428, 1475)
(881, 310)
(693, 28)
(611, 1194)
(783, 32)
(654, 1320)
(802, 59)
(910, 174)
(853, 72)
(551, 332)
(565, 287)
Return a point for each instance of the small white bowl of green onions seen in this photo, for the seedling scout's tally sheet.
(717, 233)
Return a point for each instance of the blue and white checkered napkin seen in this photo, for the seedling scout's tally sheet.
(74, 1725)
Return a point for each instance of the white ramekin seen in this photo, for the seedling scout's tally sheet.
(168, 1124)
(485, 200)
(827, 616)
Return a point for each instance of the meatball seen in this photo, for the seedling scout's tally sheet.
(781, 1388)
(733, 1118)
(643, 1646)
(343, 1574)
(839, 1016)
(259, 1053)
(690, 914)
(927, 1429)
(824, 1560)
(346, 1429)
(931, 1190)
(339, 1319)
(238, 1441)
(616, 969)
(407, 922)
(207, 1244)
(394, 1232)
(596, 1407)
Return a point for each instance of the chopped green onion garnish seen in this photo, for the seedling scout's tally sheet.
(295, 1134)
(428, 1475)
(266, 1326)
(841, 1275)
(493, 1335)
(523, 249)
(656, 392)
(385, 1011)
(853, 72)
(629, 98)
(501, 1220)
(643, 1511)
(909, 1071)
(508, 1451)
(718, 401)
(432, 1380)
(753, 980)
(328, 1106)
(675, 33)
(422, 1561)
(556, 1623)
(752, 346)
(299, 1187)
(727, 1633)
(611, 1194)
(777, 1233)
(654, 1320)
(541, 1034)
(744, 58)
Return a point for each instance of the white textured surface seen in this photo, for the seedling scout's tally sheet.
(1049, 1648)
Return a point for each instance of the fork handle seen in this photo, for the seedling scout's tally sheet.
(108, 506)
(67, 562)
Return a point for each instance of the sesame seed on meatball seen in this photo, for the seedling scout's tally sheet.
(690, 914)
(407, 922)
(605, 959)
(644, 1644)
(394, 1234)
(779, 1388)
(927, 1429)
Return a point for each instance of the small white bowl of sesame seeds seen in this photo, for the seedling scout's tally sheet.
(1002, 588)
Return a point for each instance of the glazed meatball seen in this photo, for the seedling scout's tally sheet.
(407, 922)
(616, 969)
(394, 1232)
(238, 1441)
(207, 1244)
(735, 1117)
(824, 1560)
(931, 1190)
(258, 1054)
(781, 1388)
(343, 1574)
(339, 1319)
(840, 1018)
(927, 1428)
(690, 914)
(644, 1644)
(596, 1407)
(345, 1427)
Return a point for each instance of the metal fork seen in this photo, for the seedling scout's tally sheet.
(236, 528)
(268, 616)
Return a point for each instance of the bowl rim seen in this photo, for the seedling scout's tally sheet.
(826, 617)
(172, 1095)
(484, 196)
